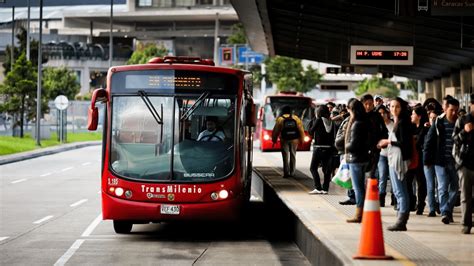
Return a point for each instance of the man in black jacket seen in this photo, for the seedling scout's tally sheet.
(463, 153)
(438, 149)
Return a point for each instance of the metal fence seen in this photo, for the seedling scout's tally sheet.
(75, 118)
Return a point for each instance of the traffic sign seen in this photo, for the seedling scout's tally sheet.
(227, 55)
(247, 56)
(61, 102)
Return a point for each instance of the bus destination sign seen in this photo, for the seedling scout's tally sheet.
(381, 55)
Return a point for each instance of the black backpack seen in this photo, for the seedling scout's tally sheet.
(289, 130)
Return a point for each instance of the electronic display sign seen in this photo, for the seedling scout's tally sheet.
(381, 55)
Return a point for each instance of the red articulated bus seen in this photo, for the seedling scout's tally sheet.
(177, 141)
(301, 106)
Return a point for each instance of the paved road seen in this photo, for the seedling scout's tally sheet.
(50, 213)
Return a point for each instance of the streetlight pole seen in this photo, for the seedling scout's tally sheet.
(40, 76)
(216, 41)
(28, 33)
(12, 48)
(111, 38)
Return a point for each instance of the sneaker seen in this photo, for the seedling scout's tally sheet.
(432, 214)
(445, 219)
(315, 191)
(347, 202)
(325, 192)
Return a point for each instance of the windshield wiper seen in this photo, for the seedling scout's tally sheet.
(151, 107)
(196, 104)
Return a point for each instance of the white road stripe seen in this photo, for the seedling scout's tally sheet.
(3, 238)
(78, 203)
(66, 169)
(86, 163)
(92, 226)
(66, 256)
(19, 180)
(43, 219)
(47, 174)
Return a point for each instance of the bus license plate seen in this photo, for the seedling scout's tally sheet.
(169, 209)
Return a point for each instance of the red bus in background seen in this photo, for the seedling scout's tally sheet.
(155, 165)
(301, 106)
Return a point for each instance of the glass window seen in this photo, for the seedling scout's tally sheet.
(300, 107)
(144, 3)
(205, 138)
(185, 2)
(141, 145)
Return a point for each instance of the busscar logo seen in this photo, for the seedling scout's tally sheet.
(155, 196)
(171, 197)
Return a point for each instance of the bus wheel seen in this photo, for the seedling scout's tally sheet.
(122, 227)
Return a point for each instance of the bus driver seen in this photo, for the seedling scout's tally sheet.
(211, 133)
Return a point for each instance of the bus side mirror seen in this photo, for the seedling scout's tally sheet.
(93, 112)
(250, 114)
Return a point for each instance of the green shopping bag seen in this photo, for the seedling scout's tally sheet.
(343, 177)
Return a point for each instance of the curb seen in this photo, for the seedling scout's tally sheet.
(6, 159)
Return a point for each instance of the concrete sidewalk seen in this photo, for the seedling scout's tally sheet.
(326, 238)
(11, 158)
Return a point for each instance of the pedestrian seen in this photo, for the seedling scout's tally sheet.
(400, 145)
(438, 148)
(322, 129)
(419, 117)
(289, 128)
(434, 110)
(383, 159)
(377, 130)
(356, 141)
(378, 100)
(340, 147)
(463, 152)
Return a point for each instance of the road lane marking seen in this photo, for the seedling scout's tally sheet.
(86, 163)
(3, 238)
(92, 226)
(47, 174)
(19, 180)
(43, 219)
(66, 169)
(66, 256)
(78, 203)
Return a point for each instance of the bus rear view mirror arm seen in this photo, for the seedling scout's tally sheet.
(99, 95)
(251, 116)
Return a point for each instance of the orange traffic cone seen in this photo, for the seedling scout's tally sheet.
(371, 244)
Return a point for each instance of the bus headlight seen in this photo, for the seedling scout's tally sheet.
(119, 191)
(266, 137)
(223, 194)
(307, 139)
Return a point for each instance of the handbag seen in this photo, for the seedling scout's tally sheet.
(342, 177)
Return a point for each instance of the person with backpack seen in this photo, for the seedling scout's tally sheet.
(289, 129)
(463, 153)
(322, 129)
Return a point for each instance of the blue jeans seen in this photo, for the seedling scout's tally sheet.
(448, 185)
(400, 191)
(358, 182)
(383, 174)
(430, 186)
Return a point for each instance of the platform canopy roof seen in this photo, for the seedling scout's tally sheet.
(324, 30)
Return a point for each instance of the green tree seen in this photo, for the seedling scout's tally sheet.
(19, 92)
(145, 52)
(238, 35)
(376, 85)
(57, 81)
(288, 74)
(21, 36)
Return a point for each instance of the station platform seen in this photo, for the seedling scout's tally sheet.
(325, 238)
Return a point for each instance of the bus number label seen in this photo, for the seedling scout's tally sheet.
(112, 181)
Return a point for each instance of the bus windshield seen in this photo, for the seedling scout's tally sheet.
(300, 107)
(192, 141)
